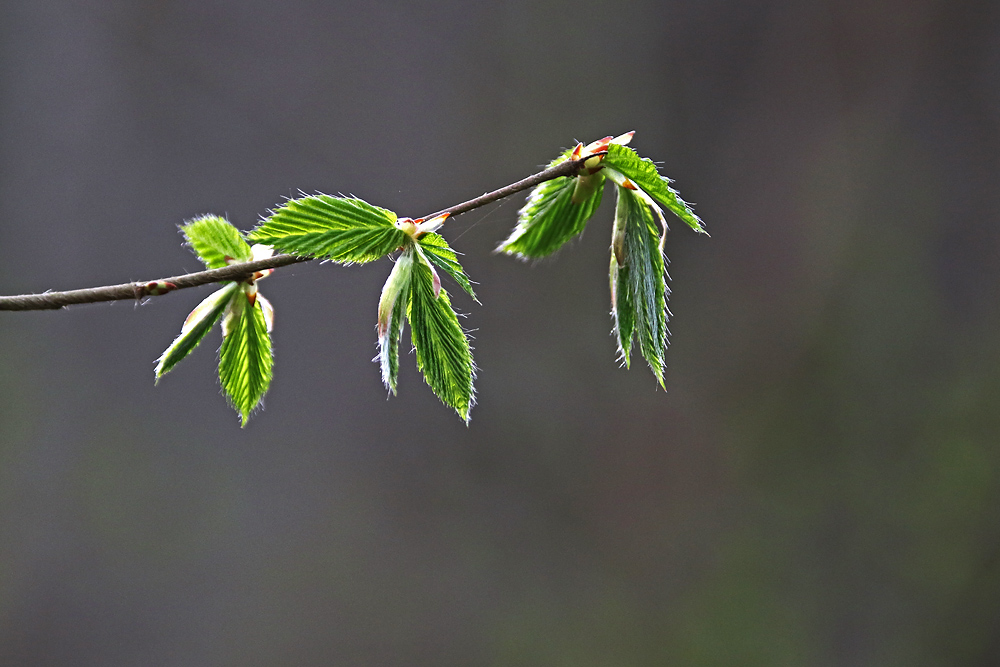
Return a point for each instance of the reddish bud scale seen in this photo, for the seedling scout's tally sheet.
(250, 289)
(158, 287)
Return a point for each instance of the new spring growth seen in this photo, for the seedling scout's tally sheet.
(349, 230)
(587, 182)
(416, 229)
(249, 289)
(159, 288)
(395, 293)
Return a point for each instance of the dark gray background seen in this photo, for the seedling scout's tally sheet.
(818, 486)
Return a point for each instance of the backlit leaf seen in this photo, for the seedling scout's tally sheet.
(443, 353)
(644, 173)
(639, 286)
(343, 229)
(245, 360)
(214, 239)
(437, 250)
(555, 212)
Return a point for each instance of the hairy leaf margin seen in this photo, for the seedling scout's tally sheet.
(555, 212)
(639, 283)
(215, 241)
(644, 173)
(437, 250)
(196, 326)
(246, 358)
(346, 230)
(443, 352)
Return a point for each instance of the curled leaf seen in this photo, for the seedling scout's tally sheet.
(638, 283)
(197, 324)
(391, 311)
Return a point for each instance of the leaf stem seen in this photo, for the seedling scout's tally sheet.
(143, 289)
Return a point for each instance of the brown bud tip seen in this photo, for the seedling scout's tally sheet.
(629, 185)
(158, 287)
(624, 139)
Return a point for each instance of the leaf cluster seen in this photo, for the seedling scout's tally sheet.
(558, 210)
(246, 357)
(348, 230)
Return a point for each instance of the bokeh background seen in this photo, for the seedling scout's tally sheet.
(818, 486)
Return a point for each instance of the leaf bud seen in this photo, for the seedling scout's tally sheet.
(158, 287)
(397, 281)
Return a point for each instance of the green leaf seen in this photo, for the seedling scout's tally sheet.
(213, 239)
(195, 327)
(639, 283)
(555, 212)
(622, 310)
(437, 250)
(443, 353)
(343, 229)
(391, 311)
(644, 173)
(245, 360)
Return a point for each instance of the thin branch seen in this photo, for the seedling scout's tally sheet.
(568, 168)
(143, 289)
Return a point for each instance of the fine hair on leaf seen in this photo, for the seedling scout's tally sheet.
(347, 230)
(245, 359)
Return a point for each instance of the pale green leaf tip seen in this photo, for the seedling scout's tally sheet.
(659, 379)
(159, 372)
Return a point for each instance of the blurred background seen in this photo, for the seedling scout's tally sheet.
(820, 484)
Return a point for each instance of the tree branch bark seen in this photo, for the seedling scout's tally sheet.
(148, 288)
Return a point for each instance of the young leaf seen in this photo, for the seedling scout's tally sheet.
(344, 229)
(622, 310)
(214, 240)
(198, 323)
(245, 360)
(555, 212)
(644, 173)
(638, 281)
(443, 353)
(391, 311)
(437, 250)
